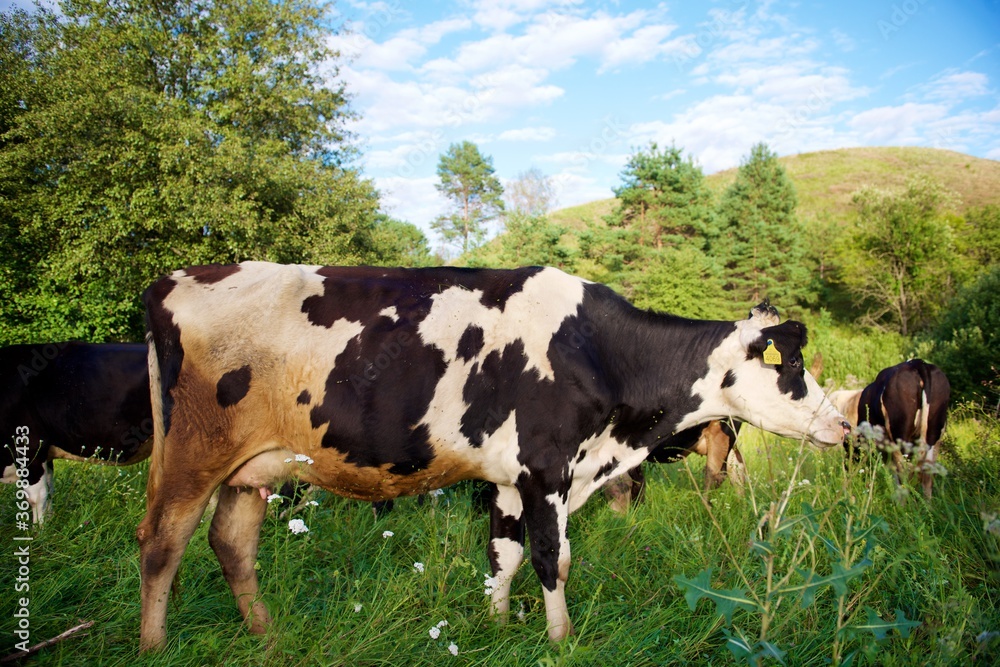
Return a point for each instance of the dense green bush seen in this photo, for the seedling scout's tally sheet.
(966, 341)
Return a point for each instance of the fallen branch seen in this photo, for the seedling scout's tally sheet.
(48, 642)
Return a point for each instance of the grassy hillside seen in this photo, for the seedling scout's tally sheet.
(825, 180)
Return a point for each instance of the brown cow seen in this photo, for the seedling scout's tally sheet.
(908, 400)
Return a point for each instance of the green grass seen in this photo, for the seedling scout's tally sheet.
(936, 562)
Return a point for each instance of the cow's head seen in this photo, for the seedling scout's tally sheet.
(767, 385)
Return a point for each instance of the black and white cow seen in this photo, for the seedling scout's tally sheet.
(908, 400)
(78, 401)
(376, 382)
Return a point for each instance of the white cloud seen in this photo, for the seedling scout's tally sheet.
(954, 86)
(528, 134)
(645, 44)
(414, 200)
(896, 125)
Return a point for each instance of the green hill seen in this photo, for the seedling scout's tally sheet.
(825, 180)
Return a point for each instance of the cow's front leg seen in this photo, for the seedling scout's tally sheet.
(506, 550)
(546, 511)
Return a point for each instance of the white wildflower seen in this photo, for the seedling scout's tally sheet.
(437, 492)
(298, 526)
(271, 498)
(314, 503)
(442, 624)
(434, 632)
(489, 584)
(357, 607)
(520, 612)
(804, 482)
(453, 648)
(419, 567)
(387, 534)
(303, 458)
(288, 460)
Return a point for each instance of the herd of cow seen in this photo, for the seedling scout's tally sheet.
(375, 383)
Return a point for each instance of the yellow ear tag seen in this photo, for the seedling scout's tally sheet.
(771, 354)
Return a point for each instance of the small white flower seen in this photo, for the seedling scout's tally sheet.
(434, 632)
(302, 458)
(489, 585)
(442, 624)
(298, 526)
(520, 612)
(804, 482)
(271, 498)
(453, 648)
(437, 492)
(387, 534)
(314, 503)
(357, 607)
(419, 567)
(288, 460)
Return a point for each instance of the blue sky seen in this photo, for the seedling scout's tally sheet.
(572, 87)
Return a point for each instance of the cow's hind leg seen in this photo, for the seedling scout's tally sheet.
(235, 536)
(506, 550)
(171, 518)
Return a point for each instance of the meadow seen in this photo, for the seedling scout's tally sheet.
(811, 563)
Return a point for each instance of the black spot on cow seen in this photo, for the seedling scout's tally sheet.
(305, 398)
(729, 379)
(788, 338)
(210, 274)
(166, 337)
(503, 285)
(379, 391)
(606, 469)
(492, 390)
(470, 343)
(233, 386)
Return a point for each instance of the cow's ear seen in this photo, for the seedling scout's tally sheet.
(752, 340)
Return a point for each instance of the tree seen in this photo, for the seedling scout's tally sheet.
(149, 136)
(664, 196)
(530, 195)
(965, 343)
(761, 246)
(468, 180)
(898, 261)
(401, 243)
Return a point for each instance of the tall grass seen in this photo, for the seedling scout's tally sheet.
(342, 594)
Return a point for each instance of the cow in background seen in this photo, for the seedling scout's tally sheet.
(76, 401)
(910, 402)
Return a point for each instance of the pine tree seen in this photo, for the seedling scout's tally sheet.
(663, 195)
(468, 180)
(761, 246)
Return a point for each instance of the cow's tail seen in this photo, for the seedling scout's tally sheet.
(923, 416)
(156, 401)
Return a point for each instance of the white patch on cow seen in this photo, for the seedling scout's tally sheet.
(600, 450)
(532, 315)
(39, 495)
(755, 397)
(509, 552)
(389, 312)
(285, 341)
